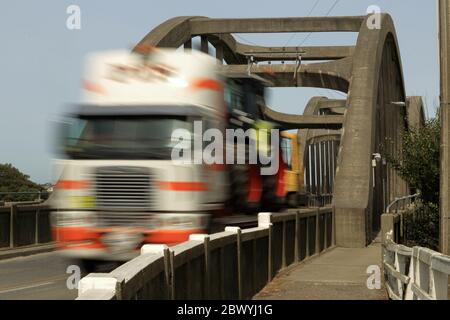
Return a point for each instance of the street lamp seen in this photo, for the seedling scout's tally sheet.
(376, 157)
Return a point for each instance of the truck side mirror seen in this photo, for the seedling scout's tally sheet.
(60, 133)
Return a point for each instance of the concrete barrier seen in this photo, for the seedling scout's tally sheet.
(233, 264)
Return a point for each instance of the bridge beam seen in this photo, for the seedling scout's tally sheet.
(291, 121)
(329, 75)
(260, 53)
(274, 25)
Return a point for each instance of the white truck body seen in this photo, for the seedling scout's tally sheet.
(104, 201)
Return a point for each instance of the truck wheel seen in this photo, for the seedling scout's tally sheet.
(274, 197)
(246, 188)
(88, 266)
(269, 196)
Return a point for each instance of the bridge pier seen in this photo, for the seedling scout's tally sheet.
(444, 36)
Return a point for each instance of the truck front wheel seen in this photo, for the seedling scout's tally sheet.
(246, 188)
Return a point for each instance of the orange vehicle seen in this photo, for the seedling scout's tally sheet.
(294, 173)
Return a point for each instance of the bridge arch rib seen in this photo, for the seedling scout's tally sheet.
(372, 125)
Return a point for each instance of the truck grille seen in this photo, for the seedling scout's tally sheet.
(120, 219)
(128, 188)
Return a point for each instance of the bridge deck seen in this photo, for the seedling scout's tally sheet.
(339, 274)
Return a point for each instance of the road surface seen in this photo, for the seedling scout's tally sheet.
(38, 277)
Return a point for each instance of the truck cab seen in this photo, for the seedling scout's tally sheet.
(119, 187)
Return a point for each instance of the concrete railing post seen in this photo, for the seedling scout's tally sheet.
(237, 230)
(164, 249)
(409, 295)
(297, 238)
(265, 221)
(325, 230)
(400, 266)
(307, 253)
(333, 227)
(283, 245)
(439, 271)
(101, 284)
(12, 215)
(172, 286)
(205, 239)
(36, 229)
(317, 247)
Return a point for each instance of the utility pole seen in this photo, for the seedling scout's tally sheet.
(444, 52)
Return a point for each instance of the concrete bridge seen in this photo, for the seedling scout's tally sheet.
(369, 121)
(339, 143)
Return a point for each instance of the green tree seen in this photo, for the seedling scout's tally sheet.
(418, 164)
(12, 180)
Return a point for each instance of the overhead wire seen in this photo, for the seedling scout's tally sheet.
(308, 15)
(327, 14)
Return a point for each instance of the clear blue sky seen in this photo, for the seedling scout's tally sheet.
(40, 58)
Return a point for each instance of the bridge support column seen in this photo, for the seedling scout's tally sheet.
(350, 227)
(219, 53)
(204, 44)
(444, 37)
(188, 44)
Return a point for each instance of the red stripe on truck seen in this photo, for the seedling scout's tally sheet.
(207, 84)
(72, 184)
(183, 186)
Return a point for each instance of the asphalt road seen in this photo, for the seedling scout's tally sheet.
(38, 277)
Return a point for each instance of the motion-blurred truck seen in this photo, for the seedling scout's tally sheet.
(119, 186)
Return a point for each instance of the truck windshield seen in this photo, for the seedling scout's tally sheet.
(120, 137)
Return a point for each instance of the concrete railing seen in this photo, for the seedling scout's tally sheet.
(412, 273)
(319, 200)
(24, 223)
(234, 264)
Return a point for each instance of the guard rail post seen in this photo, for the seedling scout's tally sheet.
(205, 239)
(36, 227)
(13, 213)
(265, 221)
(238, 231)
(317, 240)
(297, 237)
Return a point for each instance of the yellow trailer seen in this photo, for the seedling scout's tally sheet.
(294, 174)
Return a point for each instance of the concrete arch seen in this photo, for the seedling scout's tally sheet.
(334, 74)
(308, 137)
(416, 114)
(354, 193)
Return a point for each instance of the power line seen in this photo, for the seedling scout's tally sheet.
(309, 14)
(326, 15)
(332, 7)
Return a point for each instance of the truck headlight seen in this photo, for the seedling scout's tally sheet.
(81, 202)
(73, 219)
(179, 221)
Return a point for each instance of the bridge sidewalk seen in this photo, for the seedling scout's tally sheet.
(339, 274)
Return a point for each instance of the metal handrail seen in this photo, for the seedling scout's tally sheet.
(400, 199)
